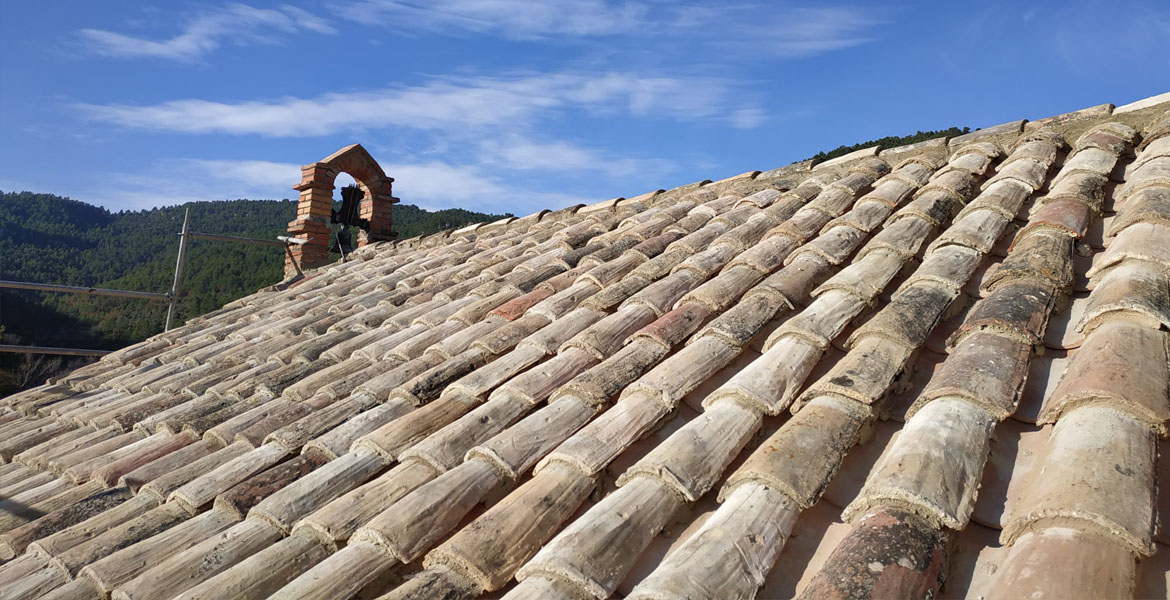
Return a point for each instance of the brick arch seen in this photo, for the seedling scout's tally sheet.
(316, 204)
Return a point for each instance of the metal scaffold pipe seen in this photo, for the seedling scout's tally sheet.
(73, 289)
(174, 295)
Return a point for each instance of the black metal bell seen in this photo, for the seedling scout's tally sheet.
(342, 242)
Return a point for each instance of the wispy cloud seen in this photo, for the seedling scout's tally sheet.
(473, 141)
(166, 182)
(250, 175)
(512, 18)
(518, 153)
(432, 185)
(487, 140)
(763, 29)
(205, 32)
(774, 30)
(448, 104)
(437, 184)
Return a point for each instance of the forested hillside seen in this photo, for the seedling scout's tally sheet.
(50, 239)
(891, 141)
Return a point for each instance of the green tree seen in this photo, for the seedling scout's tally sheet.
(890, 142)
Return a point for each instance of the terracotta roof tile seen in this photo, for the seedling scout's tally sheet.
(745, 335)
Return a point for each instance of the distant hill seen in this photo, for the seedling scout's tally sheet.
(891, 141)
(46, 238)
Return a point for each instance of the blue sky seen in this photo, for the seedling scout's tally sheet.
(506, 105)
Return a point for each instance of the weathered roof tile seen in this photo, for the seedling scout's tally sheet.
(1121, 364)
(1099, 473)
(525, 364)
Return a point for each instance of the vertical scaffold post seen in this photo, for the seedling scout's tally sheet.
(178, 268)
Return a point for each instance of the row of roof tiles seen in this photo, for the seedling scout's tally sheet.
(449, 417)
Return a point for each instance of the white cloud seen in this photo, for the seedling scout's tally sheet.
(751, 29)
(757, 29)
(471, 140)
(432, 185)
(748, 118)
(250, 174)
(435, 185)
(202, 34)
(518, 153)
(779, 31)
(446, 104)
(525, 154)
(168, 182)
(511, 18)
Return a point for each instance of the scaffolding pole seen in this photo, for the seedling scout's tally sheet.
(236, 239)
(174, 295)
(74, 289)
(51, 350)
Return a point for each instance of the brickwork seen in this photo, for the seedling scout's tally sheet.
(316, 205)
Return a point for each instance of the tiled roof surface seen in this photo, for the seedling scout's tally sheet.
(931, 371)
